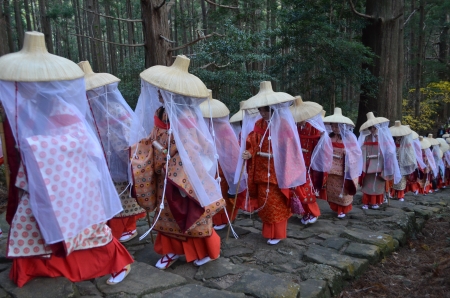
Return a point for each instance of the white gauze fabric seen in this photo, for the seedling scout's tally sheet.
(248, 124)
(194, 143)
(70, 186)
(388, 149)
(362, 137)
(431, 162)
(447, 157)
(438, 160)
(322, 156)
(287, 151)
(418, 153)
(145, 110)
(112, 118)
(353, 153)
(237, 128)
(407, 161)
(228, 149)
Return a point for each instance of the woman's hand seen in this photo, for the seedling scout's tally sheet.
(246, 155)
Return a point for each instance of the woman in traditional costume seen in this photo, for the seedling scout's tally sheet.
(412, 181)
(275, 163)
(174, 167)
(425, 175)
(379, 160)
(406, 158)
(346, 167)
(447, 164)
(216, 115)
(111, 118)
(437, 173)
(444, 147)
(63, 190)
(317, 151)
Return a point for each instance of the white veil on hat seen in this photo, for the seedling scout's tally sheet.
(70, 186)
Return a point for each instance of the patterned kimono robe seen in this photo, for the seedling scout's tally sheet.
(373, 185)
(275, 205)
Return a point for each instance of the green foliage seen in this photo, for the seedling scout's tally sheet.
(130, 84)
(231, 59)
(434, 95)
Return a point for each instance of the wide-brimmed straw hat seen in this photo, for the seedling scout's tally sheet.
(424, 143)
(323, 113)
(415, 135)
(265, 97)
(372, 120)
(176, 78)
(444, 136)
(337, 117)
(304, 110)
(443, 145)
(447, 140)
(33, 63)
(432, 140)
(95, 80)
(213, 108)
(399, 130)
(240, 114)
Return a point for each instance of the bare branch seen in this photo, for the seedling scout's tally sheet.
(224, 6)
(166, 39)
(117, 44)
(110, 17)
(412, 13)
(360, 14)
(215, 65)
(197, 40)
(161, 5)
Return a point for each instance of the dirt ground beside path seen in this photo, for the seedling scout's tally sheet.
(421, 268)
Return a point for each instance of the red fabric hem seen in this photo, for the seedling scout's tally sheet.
(78, 266)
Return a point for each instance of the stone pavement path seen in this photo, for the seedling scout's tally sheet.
(314, 261)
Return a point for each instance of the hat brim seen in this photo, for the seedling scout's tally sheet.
(400, 131)
(338, 119)
(95, 80)
(174, 80)
(424, 144)
(214, 108)
(372, 122)
(432, 141)
(305, 110)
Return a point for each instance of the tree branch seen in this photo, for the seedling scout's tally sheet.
(195, 41)
(166, 39)
(215, 65)
(412, 13)
(110, 17)
(117, 44)
(224, 6)
(161, 5)
(360, 14)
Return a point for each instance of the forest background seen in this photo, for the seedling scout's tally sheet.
(386, 56)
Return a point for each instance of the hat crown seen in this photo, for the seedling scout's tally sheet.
(430, 135)
(397, 123)
(34, 42)
(182, 63)
(421, 138)
(210, 94)
(86, 67)
(370, 116)
(338, 111)
(298, 100)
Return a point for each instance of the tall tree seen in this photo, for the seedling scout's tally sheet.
(383, 34)
(4, 46)
(45, 25)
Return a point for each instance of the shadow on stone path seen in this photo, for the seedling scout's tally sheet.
(314, 261)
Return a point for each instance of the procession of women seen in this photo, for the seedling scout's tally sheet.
(83, 167)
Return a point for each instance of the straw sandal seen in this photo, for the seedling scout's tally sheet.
(127, 236)
(119, 276)
(166, 261)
